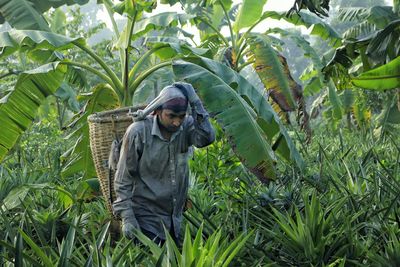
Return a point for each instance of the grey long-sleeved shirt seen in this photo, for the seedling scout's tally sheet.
(151, 181)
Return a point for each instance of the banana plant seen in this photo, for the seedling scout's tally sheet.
(368, 58)
(245, 49)
(18, 108)
(119, 87)
(370, 43)
(27, 14)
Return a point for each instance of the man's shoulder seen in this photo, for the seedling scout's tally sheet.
(137, 127)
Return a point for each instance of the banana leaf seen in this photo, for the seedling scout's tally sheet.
(27, 14)
(229, 109)
(317, 25)
(79, 156)
(248, 14)
(18, 109)
(302, 43)
(235, 115)
(30, 40)
(273, 72)
(159, 21)
(267, 119)
(382, 78)
(335, 101)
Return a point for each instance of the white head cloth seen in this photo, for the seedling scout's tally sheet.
(167, 93)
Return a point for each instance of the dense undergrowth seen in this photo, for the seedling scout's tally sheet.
(343, 210)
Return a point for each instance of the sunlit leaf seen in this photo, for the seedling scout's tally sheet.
(18, 109)
(248, 14)
(273, 72)
(382, 78)
(79, 157)
(235, 116)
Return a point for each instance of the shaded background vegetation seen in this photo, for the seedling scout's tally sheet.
(341, 210)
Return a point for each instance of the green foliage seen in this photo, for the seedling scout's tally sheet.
(234, 113)
(19, 107)
(342, 210)
(382, 78)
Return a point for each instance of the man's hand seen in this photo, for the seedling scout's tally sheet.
(188, 90)
(129, 223)
(129, 226)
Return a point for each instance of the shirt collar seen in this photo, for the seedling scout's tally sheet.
(156, 130)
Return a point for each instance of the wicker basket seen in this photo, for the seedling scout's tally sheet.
(104, 127)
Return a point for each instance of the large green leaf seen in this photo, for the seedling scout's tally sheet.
(318, 26)
(21, 14)
(302, 43)
(386, 41)
(29, 40)
(272, 71)
(382, 78)
(377, 15)
(173, 46)
(318, 7)
(248, 14)
(335, 101)
(159, 21)
(103, 97)
(393, 115)
(18, 109)
(27, 14)
(267, 119)
(214, 17)
(235, 115)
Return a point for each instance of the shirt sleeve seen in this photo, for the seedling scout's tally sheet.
(126, 170)
(201, 132)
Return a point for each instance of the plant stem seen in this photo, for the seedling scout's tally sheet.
(242, 50)
(95, 72)
(229, 25)
(110, 14)
(91, 69)
(141, 60)
(244, 65)
(145, 74)
(243, 37)
(125, 72)
(115, 81)
(11, 72)
(216, 31)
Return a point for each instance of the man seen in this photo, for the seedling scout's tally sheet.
(151, 181)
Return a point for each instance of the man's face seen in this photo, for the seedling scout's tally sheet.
(170, 120)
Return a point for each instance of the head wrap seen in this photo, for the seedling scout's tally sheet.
(170, 97)
(176, 104)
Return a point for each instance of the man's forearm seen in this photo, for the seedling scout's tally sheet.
(204, 133)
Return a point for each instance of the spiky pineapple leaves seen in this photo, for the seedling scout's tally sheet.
(103, 97)
(18, 109)
(249, 121)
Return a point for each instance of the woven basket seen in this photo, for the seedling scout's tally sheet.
(104, 127)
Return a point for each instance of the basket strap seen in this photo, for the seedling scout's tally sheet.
(110, 173)
(114, 128)
(110, 197)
